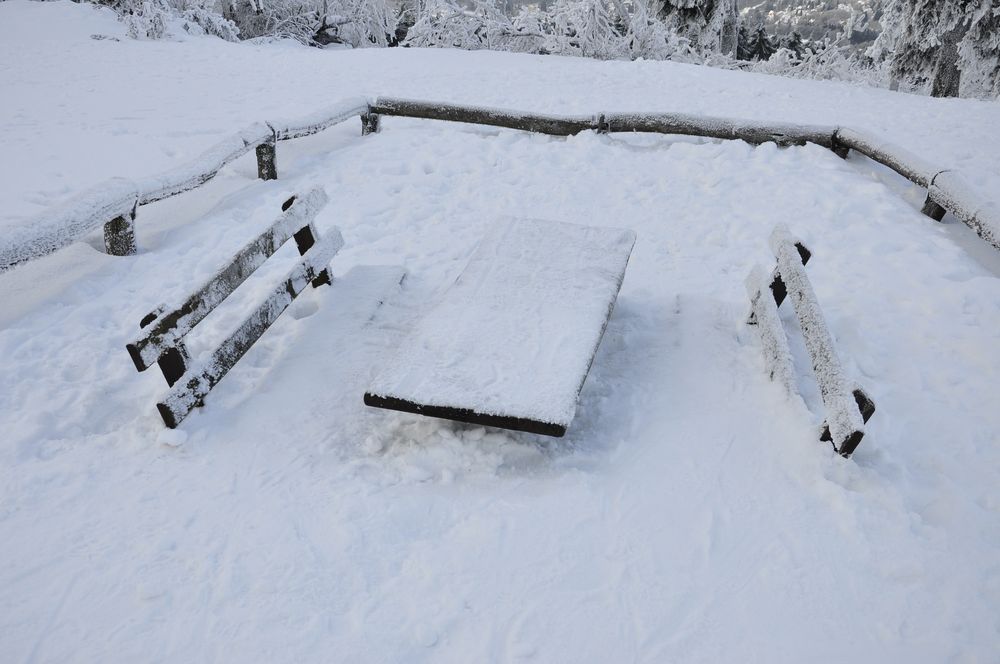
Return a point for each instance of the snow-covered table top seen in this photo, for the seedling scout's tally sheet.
(512, 341)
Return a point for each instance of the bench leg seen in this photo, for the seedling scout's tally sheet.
(174, 363)
(932, 209)
(305, 238)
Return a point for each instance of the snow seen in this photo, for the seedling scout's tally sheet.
(516, 334)
(689, 514)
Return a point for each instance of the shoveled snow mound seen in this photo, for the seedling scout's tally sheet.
(690, 514)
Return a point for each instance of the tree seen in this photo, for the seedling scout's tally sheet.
(742, 44)
(793, 42)
(710, 25)
(760, 46)
(944, 44)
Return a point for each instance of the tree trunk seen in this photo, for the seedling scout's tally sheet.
(947, 77)
(730, 30)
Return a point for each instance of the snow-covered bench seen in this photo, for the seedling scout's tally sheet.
(848, 408)
(512, 341)
(162, 339)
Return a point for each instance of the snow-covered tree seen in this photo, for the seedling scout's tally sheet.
(793, 42)
(648, 37)
(450, 24)
(710, 25)
(946, 44)
(356, 23)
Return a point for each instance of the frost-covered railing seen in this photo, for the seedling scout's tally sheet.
(115, 202)
(663, 123)
(848, 407)
(161, 341)
(947, 191)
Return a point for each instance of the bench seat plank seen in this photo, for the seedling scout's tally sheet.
(512, 341)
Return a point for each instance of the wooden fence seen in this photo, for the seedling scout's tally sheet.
(115, 202)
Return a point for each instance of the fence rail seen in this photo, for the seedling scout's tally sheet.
(114, 203)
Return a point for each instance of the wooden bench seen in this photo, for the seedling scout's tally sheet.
(162, 339)
(511, 343)
(848, 407)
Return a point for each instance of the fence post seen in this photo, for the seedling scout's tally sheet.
(119, 235)
(839, 148)
(371, 123)
(267, 158)
(932, 209)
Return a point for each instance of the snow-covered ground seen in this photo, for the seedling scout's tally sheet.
(689, 514)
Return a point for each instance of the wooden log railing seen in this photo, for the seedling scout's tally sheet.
(114, 203)
(162, 339)
(848, 409)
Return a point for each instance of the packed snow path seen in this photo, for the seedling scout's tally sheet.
(689, 515)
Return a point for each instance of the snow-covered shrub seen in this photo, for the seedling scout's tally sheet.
(585, 27)
(528, 31)
(649, 38)
(201, 14)
(356, 23)
(145, 19)
(449, 24)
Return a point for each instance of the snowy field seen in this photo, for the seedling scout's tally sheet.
(689, 515)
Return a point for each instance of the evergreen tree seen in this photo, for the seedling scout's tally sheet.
(793, 42)
(710, 25)
(761, 47)
(942, 43)
(743, 44)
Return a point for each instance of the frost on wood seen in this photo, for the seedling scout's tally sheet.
(952, 192)
(904, 162)
(726, 128)
(664, 123)
(198, 381)
(119, 235)
(774, 343)
(267, 160)
(495, 117)
(512, 341)
(204, 167)
(164, 329)
(343, 110)
(843, 415)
